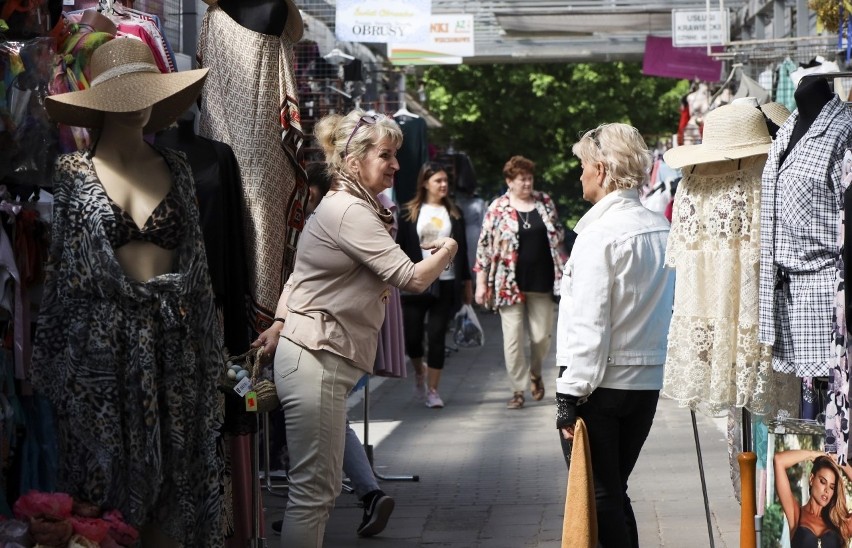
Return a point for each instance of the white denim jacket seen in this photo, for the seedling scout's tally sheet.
(617, 298)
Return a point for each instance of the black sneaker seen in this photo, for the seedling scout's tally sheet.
(376, 515)
(276, 525)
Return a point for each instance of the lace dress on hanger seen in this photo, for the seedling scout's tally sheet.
(714, 360)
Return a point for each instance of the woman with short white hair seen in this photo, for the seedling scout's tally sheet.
(613, 322)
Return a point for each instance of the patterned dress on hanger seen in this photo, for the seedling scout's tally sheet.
(714, 360)
(249, 101)
(837, 408)
(131, 367)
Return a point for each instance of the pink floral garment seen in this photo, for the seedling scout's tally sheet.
(497, 251)
(837, 408)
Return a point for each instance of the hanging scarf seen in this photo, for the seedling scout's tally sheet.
(353, 187)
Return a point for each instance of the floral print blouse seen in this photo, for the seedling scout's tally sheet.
(497, 251)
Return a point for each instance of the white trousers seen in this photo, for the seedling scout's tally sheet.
(312, 386)
(538, 311)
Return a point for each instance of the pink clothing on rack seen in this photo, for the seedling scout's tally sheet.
(134, 29)
(390, 355)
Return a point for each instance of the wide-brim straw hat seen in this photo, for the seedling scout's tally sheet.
(294, 28)
(730, 132)
(776, 112)
(125, 78)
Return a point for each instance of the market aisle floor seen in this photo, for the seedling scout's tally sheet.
(491, 477)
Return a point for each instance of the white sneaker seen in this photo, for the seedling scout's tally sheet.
(433, 400)
(420, 387)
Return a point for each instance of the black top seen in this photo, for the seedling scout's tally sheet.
(263, 16)
(811, 96)
(409, 241)
(217, 186)
(534, 269)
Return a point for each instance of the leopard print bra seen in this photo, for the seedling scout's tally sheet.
(163, 227)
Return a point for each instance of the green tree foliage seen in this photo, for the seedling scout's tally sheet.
(493, 112)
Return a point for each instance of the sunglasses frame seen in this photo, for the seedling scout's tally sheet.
(367, 119)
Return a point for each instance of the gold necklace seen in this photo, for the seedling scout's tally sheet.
(526, 219)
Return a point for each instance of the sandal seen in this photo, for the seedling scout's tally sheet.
(516, 402)
(536, 388)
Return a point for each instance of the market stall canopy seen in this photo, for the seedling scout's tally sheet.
(508, 31)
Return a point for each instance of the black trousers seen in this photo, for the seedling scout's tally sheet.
(439, 307)
(618, 423)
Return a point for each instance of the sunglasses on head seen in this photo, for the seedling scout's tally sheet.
(368, 120)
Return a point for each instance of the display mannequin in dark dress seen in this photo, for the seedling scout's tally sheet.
(128, 346)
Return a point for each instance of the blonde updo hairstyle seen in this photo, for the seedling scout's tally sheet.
(333, 131)
(622, 151)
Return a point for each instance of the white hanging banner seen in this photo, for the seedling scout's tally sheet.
(450, 39)
(400, 21)
(693, 28)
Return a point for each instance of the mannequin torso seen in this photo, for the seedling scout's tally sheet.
(136, 178)
(811, 96)
(262, 16)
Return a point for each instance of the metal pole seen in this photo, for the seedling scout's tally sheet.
(703, 482)
(369, 448)
(256, 540)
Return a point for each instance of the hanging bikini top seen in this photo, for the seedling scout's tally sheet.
(163, 228)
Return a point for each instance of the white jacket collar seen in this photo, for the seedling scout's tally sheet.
(614, 199)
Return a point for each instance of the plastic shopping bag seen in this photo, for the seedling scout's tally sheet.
(467, 332)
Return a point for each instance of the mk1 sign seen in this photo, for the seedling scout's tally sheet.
(690, 28)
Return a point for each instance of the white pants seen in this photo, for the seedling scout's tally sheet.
(538, 310)
(312, 386)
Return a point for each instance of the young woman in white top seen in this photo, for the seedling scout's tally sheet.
(430, 216)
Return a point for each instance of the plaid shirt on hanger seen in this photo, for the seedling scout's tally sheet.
(801, 200)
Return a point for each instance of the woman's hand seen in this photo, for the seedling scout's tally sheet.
(269, 341)
(442, 243)
(482, 294)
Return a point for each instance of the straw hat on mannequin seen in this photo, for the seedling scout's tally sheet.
(125, 78)
(730, 132)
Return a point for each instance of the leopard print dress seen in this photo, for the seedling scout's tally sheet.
(132, 367)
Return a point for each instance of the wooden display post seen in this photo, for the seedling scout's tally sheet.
(748, 534)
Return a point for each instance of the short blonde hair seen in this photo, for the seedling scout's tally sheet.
(622, 151)
(334, 131)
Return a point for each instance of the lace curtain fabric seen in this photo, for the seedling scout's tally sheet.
(714, 360)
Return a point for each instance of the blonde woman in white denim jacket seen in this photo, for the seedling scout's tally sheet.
(613, 323)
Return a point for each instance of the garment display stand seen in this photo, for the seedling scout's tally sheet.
(280, 490)
(257, 540)
(369, 448)
(703, 481)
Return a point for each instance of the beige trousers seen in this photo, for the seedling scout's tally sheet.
(538, 311)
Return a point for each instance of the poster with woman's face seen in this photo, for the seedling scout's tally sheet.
(797, 434)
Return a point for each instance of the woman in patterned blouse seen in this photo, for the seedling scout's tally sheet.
(518, 269)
